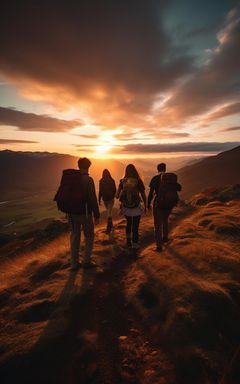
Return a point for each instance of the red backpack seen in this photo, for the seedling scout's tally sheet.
(70, 197)
(167, 196)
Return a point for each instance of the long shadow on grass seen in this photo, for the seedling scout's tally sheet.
(43, 363)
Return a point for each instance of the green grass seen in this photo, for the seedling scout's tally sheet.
(28, 214)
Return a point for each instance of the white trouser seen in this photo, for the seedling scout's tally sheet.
(109, 206)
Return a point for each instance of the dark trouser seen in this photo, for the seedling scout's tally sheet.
(132, 227)
(161, 224)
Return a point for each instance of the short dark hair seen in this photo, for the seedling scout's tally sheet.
(161, 167)
(84, 163)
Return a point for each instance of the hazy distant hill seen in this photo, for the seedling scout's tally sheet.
(32, 172)
(214, 171)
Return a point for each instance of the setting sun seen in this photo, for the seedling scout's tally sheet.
(104, 148)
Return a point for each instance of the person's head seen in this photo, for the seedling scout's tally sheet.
(84, 163)
(131, 171)
(106, 174)
(161, 167)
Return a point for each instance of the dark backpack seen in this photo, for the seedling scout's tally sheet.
(167, 196)
(130, 197)
(70, 197)
(108, 189)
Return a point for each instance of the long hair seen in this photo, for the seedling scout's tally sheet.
(132, 172)
(106, 175)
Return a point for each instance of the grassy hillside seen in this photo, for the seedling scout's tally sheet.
(211, 172)
(168, 318)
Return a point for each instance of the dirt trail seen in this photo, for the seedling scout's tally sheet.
(99, 339)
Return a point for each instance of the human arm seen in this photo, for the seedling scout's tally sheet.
(150, 197)
(92, 197)
(151, 193)
(120, 187)
(143, 194)
(100, 193)
(144, 198)
(179, 187)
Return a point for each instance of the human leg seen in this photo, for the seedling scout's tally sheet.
(75, 224)
(109, 206)
(88, 230)
(128, 230)
(157, 216)
(135, 229)
(166, 214)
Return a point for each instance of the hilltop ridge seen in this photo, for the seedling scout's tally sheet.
(162, 318)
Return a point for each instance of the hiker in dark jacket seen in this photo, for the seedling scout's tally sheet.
(76, 196)
(161, 207)
(130, 191)
(107, 192)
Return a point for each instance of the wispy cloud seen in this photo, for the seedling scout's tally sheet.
(13, 141)
(180, 147)
(229, 129)
(223, 111)
(31, 122)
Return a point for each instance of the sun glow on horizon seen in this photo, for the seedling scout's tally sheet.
(103, 148)
(106, 143)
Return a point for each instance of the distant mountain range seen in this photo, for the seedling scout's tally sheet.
(214, 171)
(26, 173)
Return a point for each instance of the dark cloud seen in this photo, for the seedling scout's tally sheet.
(115, 51)
(179, 147)
(215, 83)
(231, 129)
(32, 122)
(13, 141)
(226, 110)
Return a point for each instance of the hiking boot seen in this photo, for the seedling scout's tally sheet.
(88, 265)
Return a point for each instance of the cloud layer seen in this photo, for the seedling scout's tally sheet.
(13, 141)
(32, 122)
(111, 56)
(179, 147)
(115, 62)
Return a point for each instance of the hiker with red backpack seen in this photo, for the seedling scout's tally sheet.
(165, 188)
(76, 196)
(107, 192)
(130, 192)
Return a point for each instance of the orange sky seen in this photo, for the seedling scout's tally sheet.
(73, 80)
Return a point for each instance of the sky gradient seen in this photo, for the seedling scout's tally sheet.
(123, 78)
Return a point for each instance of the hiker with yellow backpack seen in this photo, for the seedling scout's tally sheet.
(131, 192)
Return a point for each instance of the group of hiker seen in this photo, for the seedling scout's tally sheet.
(76, 196)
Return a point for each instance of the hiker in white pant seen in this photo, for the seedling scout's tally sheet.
(107, 191)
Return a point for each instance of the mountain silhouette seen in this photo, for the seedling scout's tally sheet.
(25, 173)
(215, 171)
